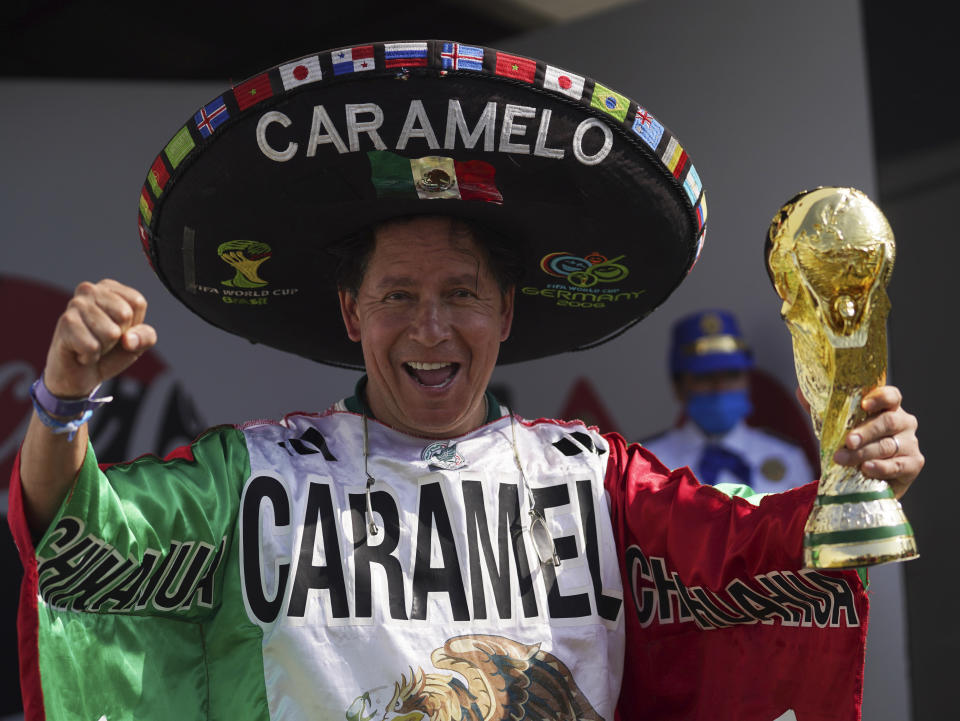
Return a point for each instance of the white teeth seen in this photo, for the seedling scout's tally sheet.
(421, 366)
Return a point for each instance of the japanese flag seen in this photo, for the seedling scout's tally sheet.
(300, 72)
(563, 82)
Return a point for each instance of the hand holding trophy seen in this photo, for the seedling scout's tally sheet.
(830, 254)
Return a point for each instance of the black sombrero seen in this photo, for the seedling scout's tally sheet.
(238, 206)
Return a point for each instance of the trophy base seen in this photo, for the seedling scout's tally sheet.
(860, 554)
(856, 522)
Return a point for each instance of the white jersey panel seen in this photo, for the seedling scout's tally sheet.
(450, 586)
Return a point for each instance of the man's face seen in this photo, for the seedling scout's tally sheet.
(430, 319)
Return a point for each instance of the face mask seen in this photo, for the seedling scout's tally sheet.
(717, 413)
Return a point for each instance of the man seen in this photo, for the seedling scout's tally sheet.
(430, 341)
(417, 551)
(709, 366)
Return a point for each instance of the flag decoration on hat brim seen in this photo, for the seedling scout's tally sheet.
(701, 211)
(357, 59)
(696, 256)
(146, 205)
(610, 101)
(300, 72)
(648, 128)
(211, 116)
(158, 176)
(144, 240)
(516, 67)
(455, 56)
(452, 57)
(691, 184)
(675, 158)
(253, 91)
(179, 147)
(562, 81)
(406, 55)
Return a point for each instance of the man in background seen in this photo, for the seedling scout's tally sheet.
(710, 365)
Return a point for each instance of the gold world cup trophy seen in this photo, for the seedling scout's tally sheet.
(830, 254)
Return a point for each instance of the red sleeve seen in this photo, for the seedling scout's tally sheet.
(721, 620)
(27, 626)
(31, 688)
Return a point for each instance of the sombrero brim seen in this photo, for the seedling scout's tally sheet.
(603, 201)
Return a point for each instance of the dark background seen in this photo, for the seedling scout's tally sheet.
(910, 48)
(911, 62)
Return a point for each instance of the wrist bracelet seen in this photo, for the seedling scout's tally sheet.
(64, 415)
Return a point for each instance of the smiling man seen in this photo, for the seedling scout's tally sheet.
(419, 551)
(430, 342)
(513, 540)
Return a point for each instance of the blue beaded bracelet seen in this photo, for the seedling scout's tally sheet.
(64, 415)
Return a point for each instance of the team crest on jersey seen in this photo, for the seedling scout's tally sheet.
(505, 679)
(442, 455)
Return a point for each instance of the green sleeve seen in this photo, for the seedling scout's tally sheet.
(131, 574)
(146, 537)
(740, 490)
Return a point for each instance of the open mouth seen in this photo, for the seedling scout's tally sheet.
(432, 375)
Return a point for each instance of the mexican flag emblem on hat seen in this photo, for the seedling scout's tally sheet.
(602, 201)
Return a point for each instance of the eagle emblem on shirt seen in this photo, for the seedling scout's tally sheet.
(488, 678)
(442, 455)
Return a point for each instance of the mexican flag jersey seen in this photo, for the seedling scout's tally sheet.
(329, 567)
